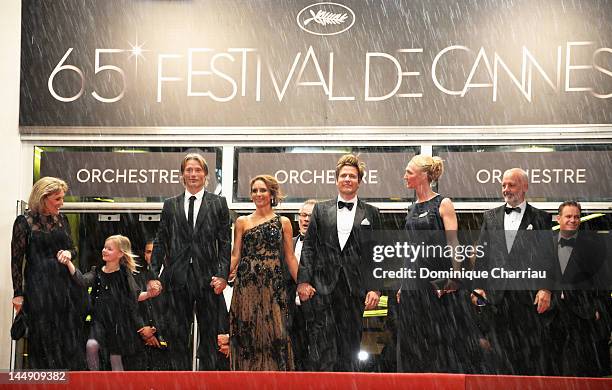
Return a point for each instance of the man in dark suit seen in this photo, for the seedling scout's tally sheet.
(193, 242)
(299, 335)
(579, 307)
(514, 238)
(330, 275)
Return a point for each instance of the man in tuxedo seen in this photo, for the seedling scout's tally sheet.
(193, 242)
(330, 283)
(514, 238)
(579, 323)
(299, 335)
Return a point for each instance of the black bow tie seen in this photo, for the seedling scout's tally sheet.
(348, 205)
(508, 210)
(300, 237)
(567, 242)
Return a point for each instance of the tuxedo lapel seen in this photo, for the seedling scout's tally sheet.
(332, 220)
(499, 218)
(359, 216)
(526, 221)
(556, 254)
(180, 213)
(204, 208)
(498, 227)
(573, 266)
(527, 218)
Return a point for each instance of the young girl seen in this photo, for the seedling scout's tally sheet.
(116, 322)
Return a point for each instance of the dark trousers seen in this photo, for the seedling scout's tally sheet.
(433, 333)
(573, 346)
(335, 328)
(179, 305)
(299, 339)
(518, 336)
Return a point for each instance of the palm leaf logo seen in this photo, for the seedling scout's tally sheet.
(324, 18)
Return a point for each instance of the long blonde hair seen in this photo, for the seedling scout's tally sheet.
(125, 246)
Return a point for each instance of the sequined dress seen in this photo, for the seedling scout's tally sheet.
(259, 336)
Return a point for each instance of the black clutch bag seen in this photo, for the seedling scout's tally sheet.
(19, 328)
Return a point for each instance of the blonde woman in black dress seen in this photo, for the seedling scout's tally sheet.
(432, 315)
(43, 287)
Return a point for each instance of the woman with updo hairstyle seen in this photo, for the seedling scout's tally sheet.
(431, 313)
(259, 329)
(43, 288)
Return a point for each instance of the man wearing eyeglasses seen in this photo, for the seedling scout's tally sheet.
(299, 336)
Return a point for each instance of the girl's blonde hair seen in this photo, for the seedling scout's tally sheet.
(432, 166)
(125, 246)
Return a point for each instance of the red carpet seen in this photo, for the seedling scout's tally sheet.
(307, 380)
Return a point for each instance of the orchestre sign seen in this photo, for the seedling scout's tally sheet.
(552, 175)
(113, 174)
(206, 63)
(312, 174)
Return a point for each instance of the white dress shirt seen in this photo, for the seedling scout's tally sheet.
(512, 222)
(298, 253)
(196, 204)
(344, 220)
(298, 249)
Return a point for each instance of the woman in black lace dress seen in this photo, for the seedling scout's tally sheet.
(53, 302)
(259, 338)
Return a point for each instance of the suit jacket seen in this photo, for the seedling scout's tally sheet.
(529, 250)
(322, 260)
(208, 245)
(586, 276)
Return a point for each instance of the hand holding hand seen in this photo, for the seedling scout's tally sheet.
(154, 288)
(223, 343)
(218, 284)
(152, 342)
(63, 256)
(305, 291)
(146, 332)
(232, 275)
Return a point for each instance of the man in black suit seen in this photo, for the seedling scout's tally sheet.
(193, 242)
(579, 308)
(299, 335)
(330, 275)
(514, 238)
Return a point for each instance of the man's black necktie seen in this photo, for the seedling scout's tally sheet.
(348, 205)
(190, 212)
(300, 237)
(508, 210)
(567, 242)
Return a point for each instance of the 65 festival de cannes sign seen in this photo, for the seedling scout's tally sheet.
(295, 63)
